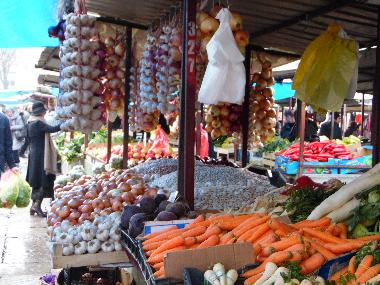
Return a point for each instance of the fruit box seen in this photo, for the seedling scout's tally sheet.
(364, 161)
(60, 261)
(291, 167)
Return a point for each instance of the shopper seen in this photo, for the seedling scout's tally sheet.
(326, 128)
(18, 132)
(352, 129)
(287, 129)
(25, 117)
(6, 157)
(42, 162)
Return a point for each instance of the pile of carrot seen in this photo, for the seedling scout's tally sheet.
(311, 243)
(360, 274)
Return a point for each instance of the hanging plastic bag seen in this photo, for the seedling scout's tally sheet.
(9, 189)
(204, 143)
(326, 73)
(24, 193)
(224, 79)
(160, 143)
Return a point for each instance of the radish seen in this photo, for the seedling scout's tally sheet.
(347, 192)
(270, 269)
(274, 276)
(343, 212)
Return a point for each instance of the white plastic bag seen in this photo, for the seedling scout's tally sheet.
(224, 79)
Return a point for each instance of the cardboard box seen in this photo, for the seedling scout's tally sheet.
(157, 226)
(233, 256)
(60, 261)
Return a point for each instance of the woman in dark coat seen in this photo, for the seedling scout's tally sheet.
(41, 181)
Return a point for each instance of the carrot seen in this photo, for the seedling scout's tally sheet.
(251, 225)
(369, 238)
(172, 243)
(229, 225)
(268, 238)
(231, 241)
(247, 234)
(164, 236)
(252, 279)
(312, 263)
(369, 273)
(260, 230)
(298, 256)
(324, 222)
(281, 245)
(157, 258)
(195, 231)
(255, 271)
(342, 247)
(220, 218)
(281, 233)
(152, 245)
(211, 241)
(157, 266)
(344, 230)
(160, 273)
(336, 275)
(364, 265)
(321, 249)
(226, 237)
(211, 230)
(189, 241)
(275, 224)
(322, 236)
(351, 265)
(149, 253)
(296, 247)
(151, 235)
(330, 228)
(280, 256)
(246, 222)
(197, 220)
(257, 249)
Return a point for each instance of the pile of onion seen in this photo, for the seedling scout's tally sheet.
(262, 119)
(90, 196)
(80, 103)
(223, 119)
(113, 67)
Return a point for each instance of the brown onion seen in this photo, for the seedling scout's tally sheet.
(63, 212)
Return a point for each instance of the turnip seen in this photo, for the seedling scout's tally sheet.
(232, 276)
(270, 269)
(274, 276)
(366, 181)
(343, 212)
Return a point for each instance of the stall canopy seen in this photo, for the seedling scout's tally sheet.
(24, 23)
(283, 91)
(13, 98)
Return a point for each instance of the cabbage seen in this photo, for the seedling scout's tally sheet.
(9, 189)
(24, 194)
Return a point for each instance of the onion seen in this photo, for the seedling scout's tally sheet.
(120, 50)
(266, 73)
(260, 114)
(209, 25)
(268, 92)
(63, 212)
(74, 203)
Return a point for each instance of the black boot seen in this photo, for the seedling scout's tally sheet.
(36, 209)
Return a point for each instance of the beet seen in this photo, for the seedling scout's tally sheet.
(147, 205)
(128, 212)
(159, 198)
(178, 208)
(166, 216)
(136, 224)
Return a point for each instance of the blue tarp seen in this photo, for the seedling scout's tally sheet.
(12, 98)
(24, 23)
(283, 91)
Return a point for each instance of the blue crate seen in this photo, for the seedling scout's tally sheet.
(365, 161)
(289, 167)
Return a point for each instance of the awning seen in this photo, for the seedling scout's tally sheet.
(14, 98)
(283, 91)
(24, 23)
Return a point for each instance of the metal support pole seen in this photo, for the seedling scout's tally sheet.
(375, 126)
(187, 112)
(332, 126)
(245, 111)
(127, 91)
(362, 121)
(109, 140)
(302, 135)
(282, 116)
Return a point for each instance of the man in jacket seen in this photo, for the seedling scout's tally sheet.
(18, 131)
(6, 155)
(326, 128)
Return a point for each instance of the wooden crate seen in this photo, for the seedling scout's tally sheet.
(58, 260)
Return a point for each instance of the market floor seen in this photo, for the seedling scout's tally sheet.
(24, 256)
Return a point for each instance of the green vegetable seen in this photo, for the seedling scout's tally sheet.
(73, 150)
(374, 196)
(274, 145)
(9, 190)
(344, 279)
(23, 198)
(369, 249)
(303, 201)
(294, 272)
(360, 231)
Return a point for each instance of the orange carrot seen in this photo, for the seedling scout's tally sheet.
(252, 279)
(280, 256)
(247, 234)
(296, 247)
(260, 230)
(322, 235)
(149, 253)
(342, 247)
(211, 241)
(160, 273)
(219, 218)
(251, 225)
(226, 237)
(344, 230)
(275, 224)
(211, 230)
(321, 249)
(174, 242)
(298, 256)
(336, 275)
(323, 222)
(281, 233)
(195, 231)
(157, 258)
(369, 238)
(151, 235)
(252, 218)
(257, 249)
(197, 220)
(330, 228)
(369, 273)
(164, 236)
(312, 263)
(152, 246)
(364, 265)
(268, 238)
(231, 241)
(229, 225)
(255, 271)
(189, 241)
(157, 266)
(281, 245)
(351, 265)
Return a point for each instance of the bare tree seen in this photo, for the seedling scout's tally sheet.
(7, 58)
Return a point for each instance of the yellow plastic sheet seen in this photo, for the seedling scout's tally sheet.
(327, 67)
